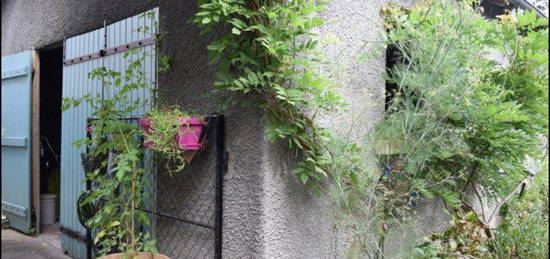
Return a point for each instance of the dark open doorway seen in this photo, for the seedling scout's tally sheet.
(51, 77)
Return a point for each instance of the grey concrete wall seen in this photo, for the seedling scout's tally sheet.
(354, 27)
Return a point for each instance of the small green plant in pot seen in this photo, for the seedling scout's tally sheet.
(174, 135)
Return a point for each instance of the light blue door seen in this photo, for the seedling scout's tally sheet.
(81, 57)
(16, 139)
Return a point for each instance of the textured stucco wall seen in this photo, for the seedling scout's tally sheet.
(353, 29)
(299, 224)
(38, 23)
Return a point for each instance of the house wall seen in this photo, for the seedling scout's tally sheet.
(267, 212)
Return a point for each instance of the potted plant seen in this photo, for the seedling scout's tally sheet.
(113, 165)
(170, 128)
(174, 135)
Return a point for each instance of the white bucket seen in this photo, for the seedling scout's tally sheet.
(47, 209)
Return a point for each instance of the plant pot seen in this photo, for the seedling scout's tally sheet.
(140, 255)
(190, 134)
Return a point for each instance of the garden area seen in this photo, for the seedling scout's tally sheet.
(465, 123)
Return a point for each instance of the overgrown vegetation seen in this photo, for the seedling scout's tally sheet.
(467, 237)
(459, 117)
(523, 232)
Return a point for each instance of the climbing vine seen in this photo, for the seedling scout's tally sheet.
(268, 49)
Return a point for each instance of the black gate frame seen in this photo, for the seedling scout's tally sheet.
(215, 131)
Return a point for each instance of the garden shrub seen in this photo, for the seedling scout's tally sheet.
(458, 116)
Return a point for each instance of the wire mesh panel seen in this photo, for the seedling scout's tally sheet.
(189, 197)
(186, 241)
(188, 218)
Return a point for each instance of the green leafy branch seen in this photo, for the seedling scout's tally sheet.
(268, 49)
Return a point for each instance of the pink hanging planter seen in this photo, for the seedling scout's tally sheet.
(190, 135)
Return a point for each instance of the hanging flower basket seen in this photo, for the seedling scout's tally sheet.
(190, 134)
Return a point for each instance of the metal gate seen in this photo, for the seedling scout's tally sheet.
(82, 54)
